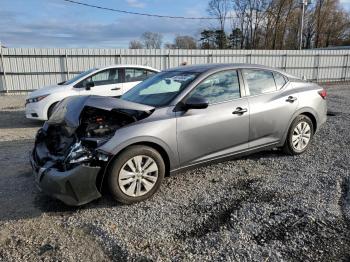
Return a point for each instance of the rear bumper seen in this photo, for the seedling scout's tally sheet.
(74, 187)
(322, 114)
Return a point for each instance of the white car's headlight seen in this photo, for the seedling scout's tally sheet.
(35, 99)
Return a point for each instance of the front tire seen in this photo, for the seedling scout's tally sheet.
(299, 135)
(136, 174)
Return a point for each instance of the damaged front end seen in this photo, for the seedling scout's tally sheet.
(66, 159)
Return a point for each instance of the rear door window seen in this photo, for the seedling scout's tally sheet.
(137, 74)
(104, 77)
(259, 81)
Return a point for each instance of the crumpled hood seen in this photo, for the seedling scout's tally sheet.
(68, 110)
(48, 90)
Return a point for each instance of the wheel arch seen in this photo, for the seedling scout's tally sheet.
(312, 118)
(101, 180)
(159, 149)
(309, 112)
(50, 107)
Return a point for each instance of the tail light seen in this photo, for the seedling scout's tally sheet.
(323, 93)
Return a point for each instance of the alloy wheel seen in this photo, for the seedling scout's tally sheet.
(138, 175)
(301, 136)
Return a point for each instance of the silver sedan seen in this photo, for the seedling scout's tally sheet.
(177, 119)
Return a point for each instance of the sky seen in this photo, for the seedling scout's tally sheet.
(56, 23)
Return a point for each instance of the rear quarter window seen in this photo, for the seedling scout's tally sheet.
(280, 80)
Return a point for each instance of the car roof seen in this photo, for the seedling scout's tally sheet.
(201, 68)
(128, 66)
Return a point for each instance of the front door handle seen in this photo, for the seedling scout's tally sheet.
(116, 88)
(240, 111)
(291, 99)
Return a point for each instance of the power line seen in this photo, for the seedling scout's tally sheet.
(143, 14)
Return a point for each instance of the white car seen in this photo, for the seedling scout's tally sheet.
(107, 81)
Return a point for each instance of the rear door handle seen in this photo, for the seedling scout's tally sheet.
(240, 111)
(291, 99)
(116, 88)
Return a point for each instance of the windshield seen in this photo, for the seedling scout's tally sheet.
(160, 89)
(72, 80)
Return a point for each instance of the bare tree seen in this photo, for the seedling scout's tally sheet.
(185, 42)
(152, 40)
(264, 24)
(169, 46)
(258, 12)
(319, 20)
(219, 9)
(251, 15)
(182, 42)
(287, 17)
(331, 23)
(337, 28)
(240, 8)
(135, 44)
(278, 15)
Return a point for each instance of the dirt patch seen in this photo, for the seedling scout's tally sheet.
(48, 240)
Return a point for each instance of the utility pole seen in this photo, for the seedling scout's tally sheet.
(303, 3)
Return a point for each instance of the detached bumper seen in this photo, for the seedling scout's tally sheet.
(74, 187)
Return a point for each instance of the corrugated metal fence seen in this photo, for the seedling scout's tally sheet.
(25, 69)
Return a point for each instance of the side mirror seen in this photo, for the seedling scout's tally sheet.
(88, 85)
(196, 102)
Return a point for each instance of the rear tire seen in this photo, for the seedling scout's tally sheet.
(299, 136)
(136, 174)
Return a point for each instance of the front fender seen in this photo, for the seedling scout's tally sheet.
(159, 129)
(114, 150)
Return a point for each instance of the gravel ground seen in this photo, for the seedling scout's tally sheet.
(265, 207)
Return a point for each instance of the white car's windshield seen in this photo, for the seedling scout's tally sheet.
(77, 77)
(160, 89)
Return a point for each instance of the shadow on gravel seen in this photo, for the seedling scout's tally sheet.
(31, 203)
(55, 207)
(52, 206)
(220, 213)
(323, 240)
(278, 153)
(284, 226)
(332, 113)
(17, 119)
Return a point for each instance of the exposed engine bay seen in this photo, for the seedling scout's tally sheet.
(66, 144)
(66, 160)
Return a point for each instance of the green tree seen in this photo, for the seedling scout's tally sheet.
(207, 39)
(220, 39)
(235, 38)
